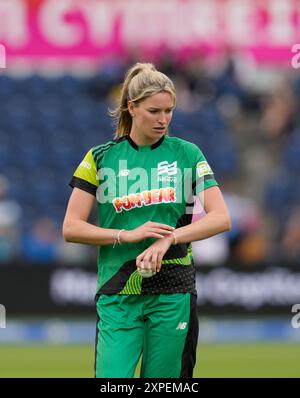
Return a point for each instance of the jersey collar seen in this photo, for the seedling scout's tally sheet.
(153, 146)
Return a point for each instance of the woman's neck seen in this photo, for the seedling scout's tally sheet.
(142, 141)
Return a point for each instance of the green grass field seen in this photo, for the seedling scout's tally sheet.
(214, 360)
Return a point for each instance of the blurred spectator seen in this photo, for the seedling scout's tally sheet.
(76, 254)
(213, 251)
(167, 62)
(110, 75)
(247, 237)
(244, 244)
(279, 112)
(187, 101)
(10, 214)
(40, 244)
(195, 75)
(290, 242)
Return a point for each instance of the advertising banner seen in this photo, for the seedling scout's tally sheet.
(61, 30)
(54, 290)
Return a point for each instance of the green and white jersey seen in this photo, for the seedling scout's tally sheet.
(135, 184)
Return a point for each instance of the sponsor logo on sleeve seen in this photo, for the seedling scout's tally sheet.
(203, 169)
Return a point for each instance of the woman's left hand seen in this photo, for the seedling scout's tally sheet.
(153, 255)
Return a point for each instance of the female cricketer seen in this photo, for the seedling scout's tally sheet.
(144, 182)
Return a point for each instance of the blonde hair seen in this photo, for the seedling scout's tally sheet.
(141, 81)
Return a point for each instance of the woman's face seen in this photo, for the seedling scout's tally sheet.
(151, 117)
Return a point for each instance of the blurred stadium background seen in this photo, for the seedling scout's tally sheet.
(238, 87)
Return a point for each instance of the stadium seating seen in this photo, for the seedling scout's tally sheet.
(48, 124)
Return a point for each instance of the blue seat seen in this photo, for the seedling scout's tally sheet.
(291, 154)
(280, 196)
(7, 87)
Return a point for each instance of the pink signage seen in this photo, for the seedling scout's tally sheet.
(264, 30)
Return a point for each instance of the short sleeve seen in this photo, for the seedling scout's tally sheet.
(203, 175)
(85, 176)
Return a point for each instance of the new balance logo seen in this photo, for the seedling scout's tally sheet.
(124, 173)
(181, 326)
(165, 167)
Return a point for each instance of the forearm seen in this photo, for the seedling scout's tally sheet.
(211, 224)
(79, 231)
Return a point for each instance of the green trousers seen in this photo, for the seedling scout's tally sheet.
(161, 328)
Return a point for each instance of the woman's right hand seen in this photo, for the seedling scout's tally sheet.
(148, 230)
